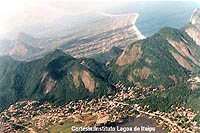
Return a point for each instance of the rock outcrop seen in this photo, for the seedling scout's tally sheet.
(193, 29)
(161, 60)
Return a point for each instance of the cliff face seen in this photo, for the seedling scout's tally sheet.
(193, 29)
(89, 35)
(27, 39)
(57, 78)
(195, 18)
(18, 50)
(162, 60)
(21, 50)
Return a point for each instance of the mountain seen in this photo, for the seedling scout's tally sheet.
(153, 76)
(57, 78)
(193, 29)
(110, 55)
(27, 39)
(163, 60)
(21, 50)
(83, 35)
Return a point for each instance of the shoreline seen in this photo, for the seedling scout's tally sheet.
(137, 124)
(140, 35)
(136, 16)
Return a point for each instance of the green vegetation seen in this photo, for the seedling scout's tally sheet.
(197, 119)
(65, 127)
(54, 72)
(57, 77)
(164, 101)
(193, 100)
(162, 64)
(111, 55)
(158, 68)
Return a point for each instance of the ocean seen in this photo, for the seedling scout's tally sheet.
(157, 14)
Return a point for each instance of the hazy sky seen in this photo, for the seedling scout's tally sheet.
(14, 13)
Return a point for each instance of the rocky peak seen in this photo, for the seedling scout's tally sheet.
(193, 30)
(195, 18)
(22, 50)
(18, 49)
(58, 53)
(27, 39)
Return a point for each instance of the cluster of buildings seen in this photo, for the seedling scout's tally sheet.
(31, 115)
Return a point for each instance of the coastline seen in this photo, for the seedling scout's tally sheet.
(140, 35)
(141, 124)
(136, 16)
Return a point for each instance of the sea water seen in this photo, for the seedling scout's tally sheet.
(158, 13)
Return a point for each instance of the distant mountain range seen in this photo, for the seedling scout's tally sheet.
(109, 56)
(164, 59)
(85, 35)
(167, 59)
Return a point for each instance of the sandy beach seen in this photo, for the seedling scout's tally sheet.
(136, 15)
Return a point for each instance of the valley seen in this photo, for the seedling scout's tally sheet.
(104, 73)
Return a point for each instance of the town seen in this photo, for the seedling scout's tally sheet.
(35, 117)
